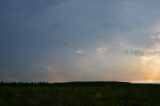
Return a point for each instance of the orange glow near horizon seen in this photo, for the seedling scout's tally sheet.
(151, 69)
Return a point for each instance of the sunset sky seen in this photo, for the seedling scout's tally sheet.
(80, 40)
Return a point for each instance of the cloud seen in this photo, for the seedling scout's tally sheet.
(61, 40)
(135, 52)
(101, 51)
(30, 7)
(79, 51)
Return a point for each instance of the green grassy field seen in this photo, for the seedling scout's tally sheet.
(79, 94)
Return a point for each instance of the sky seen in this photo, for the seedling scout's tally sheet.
(80, 40)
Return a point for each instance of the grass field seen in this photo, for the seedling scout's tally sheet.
(79, 94)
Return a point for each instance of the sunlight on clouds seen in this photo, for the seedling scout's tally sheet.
(104, 64)
(151, 65)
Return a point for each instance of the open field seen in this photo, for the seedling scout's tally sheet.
(79, 94)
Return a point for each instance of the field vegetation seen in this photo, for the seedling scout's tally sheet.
(79, 94)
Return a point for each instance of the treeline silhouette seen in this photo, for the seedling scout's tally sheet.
(79, 83)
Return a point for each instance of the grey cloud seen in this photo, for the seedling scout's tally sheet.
(153, 52)
(28, 6)
(55, 26)
(135, 52)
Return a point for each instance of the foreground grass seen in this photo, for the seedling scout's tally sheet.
(79, 94)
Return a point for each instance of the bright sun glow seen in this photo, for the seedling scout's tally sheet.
(151, 67)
